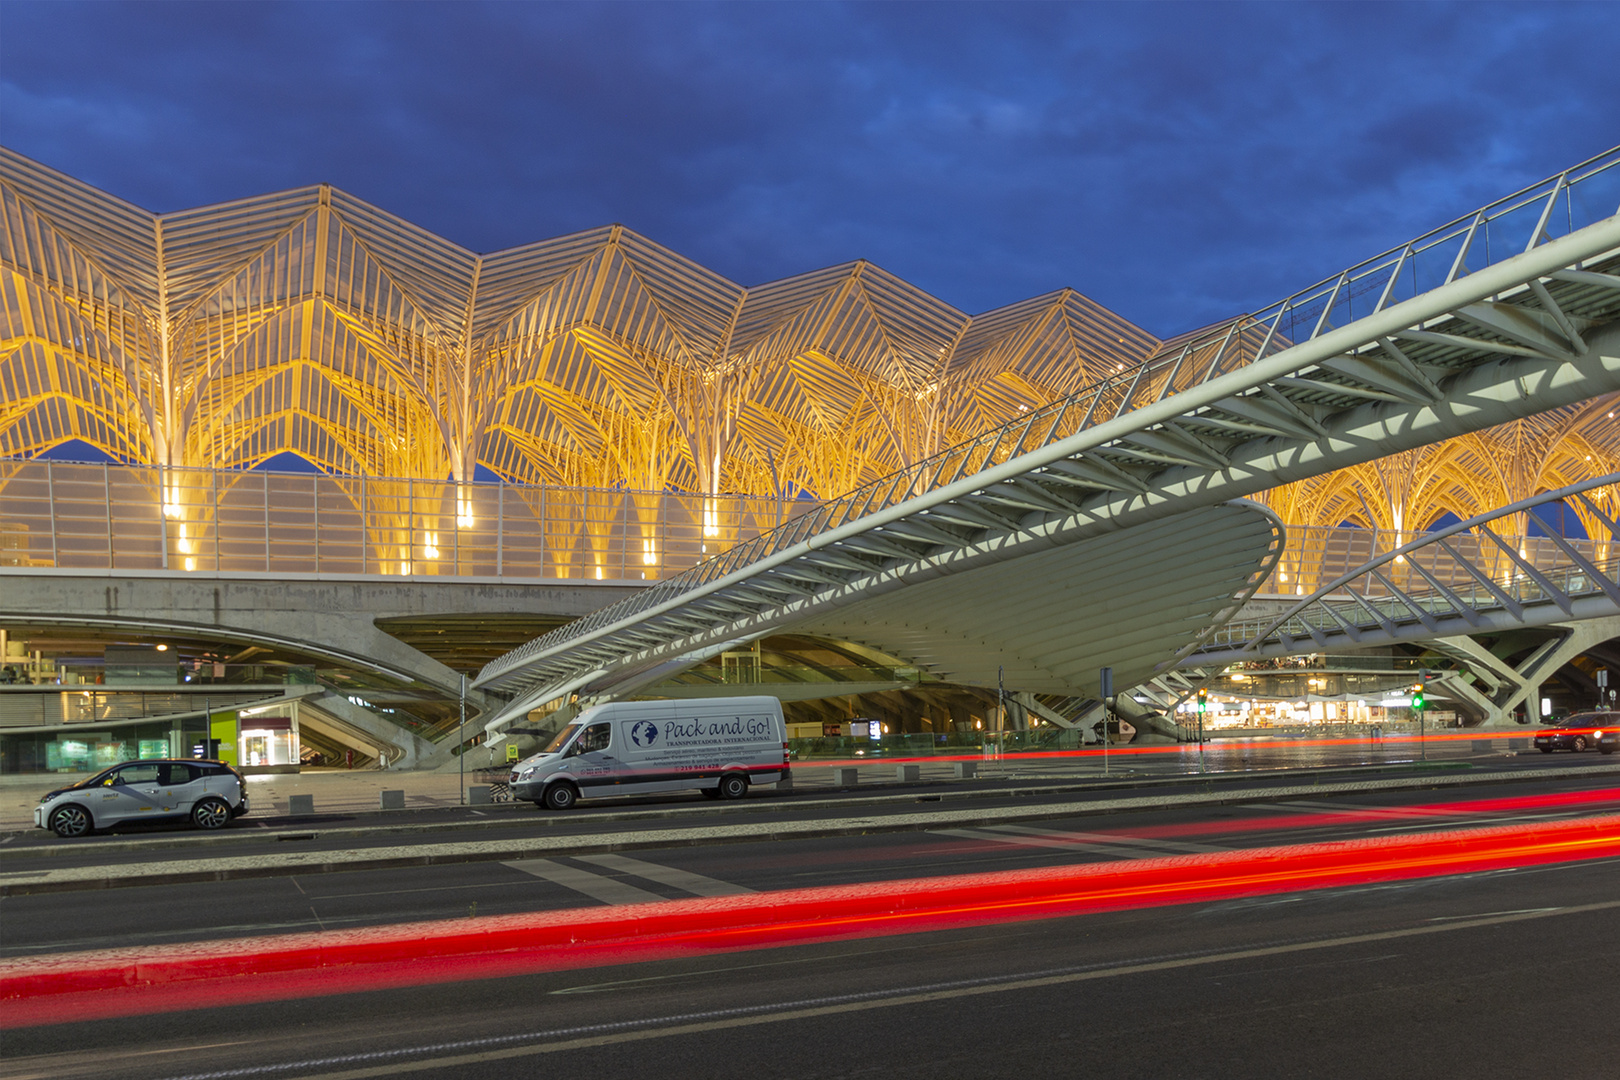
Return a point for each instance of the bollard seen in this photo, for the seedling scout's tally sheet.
(391, 800)
(908, 772)
(1480, 746)
(844, 777)
(300, 805)
(967, 770)
(479, 796)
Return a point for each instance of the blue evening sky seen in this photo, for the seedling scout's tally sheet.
(1178, 163)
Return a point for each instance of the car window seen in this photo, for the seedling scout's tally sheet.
(175, 773)
(145, 772)
(596, 737)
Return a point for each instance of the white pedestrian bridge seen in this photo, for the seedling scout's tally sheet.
(1110, 528)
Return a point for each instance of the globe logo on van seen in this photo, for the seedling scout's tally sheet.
(644, 733)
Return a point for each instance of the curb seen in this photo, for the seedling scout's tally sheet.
(896, 793)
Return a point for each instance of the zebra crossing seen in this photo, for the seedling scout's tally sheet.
(611, 888)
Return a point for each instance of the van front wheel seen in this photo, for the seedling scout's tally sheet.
(733, 786)
(561, 796)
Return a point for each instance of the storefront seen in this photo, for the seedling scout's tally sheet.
(84, 751)
(268, 736)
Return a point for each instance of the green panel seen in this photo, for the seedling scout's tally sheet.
(223, 726)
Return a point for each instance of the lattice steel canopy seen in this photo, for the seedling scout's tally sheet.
(311, 321)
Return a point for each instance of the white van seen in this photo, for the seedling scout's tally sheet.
(717, 745)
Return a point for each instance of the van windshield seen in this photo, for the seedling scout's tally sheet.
(559, 739)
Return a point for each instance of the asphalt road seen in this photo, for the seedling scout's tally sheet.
(1506, 974)
(294, 902)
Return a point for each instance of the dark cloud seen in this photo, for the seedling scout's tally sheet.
(1176, 162)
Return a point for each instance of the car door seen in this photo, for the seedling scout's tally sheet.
(182, 784)
(596, 768)
(129, 792)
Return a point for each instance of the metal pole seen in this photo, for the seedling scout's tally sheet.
(1201, 738)
(1423, 696)
(461, 740)
(1106, 688)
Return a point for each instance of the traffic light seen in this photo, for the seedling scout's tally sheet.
(1203, 698)
(1417, 697)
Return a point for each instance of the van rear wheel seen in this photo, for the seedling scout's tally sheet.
(733, 786)
(561, 796)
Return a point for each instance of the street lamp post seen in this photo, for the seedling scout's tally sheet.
(1203, 703)
(1106, 688)
(1420, 703)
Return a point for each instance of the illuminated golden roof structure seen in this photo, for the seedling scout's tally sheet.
(313, 322)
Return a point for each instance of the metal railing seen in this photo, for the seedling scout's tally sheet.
(1455, 572)
(1315, 556)
(1562, 204)
(135, 517)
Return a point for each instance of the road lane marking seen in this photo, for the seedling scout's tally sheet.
(1116, 850)
(597, 887)
(500, 1048)
(1172, 847)
(685, 880)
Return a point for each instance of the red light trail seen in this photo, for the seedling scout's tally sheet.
(151, 979)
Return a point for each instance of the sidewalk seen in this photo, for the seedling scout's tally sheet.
(344, 791)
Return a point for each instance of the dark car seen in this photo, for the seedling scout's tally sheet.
(1583, 731)
(209, 793)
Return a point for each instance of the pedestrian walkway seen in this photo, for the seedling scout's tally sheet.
(341, 791)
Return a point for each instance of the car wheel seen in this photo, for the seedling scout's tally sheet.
(733, 786)
(561, 796)
(211, 814)
(1579, 744)
(70, 821)
(1605, 749)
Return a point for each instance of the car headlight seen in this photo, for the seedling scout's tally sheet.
(526, 773)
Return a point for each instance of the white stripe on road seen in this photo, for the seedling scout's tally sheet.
(597, 887)
(685, 880)
(1169, 847)
(1116, 850)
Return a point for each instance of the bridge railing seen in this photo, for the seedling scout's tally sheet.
(1572, 581)
(1562, 204)
(131, 517)
(1316, 555)
(1456, 572)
